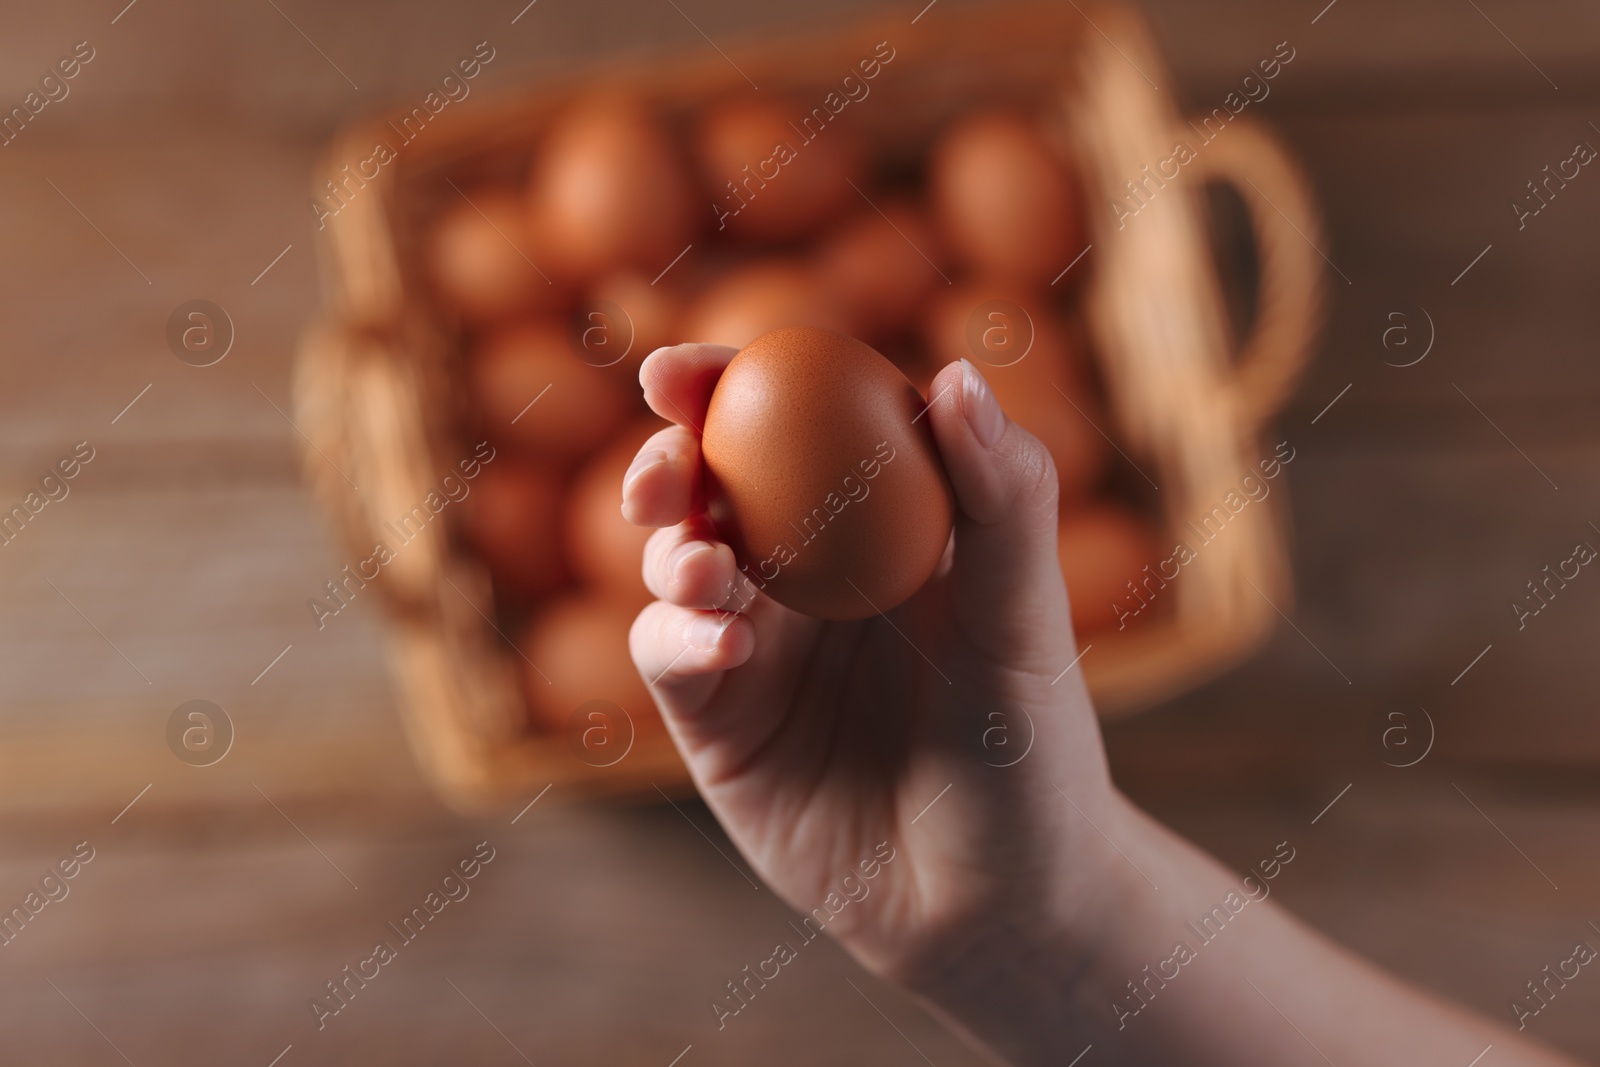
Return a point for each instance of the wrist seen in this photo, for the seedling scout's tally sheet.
(1020, 978)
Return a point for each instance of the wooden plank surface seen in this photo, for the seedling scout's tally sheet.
(183, 556)
(601, 935)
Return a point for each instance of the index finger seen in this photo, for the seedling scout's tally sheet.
(678, 380)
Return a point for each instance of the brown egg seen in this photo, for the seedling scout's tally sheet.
(822, 478)
(995, 323)
(879, 266)
(484, 262)
(1103, 548)
(1071, 434)
(608, 189)
(510, 518)
(756, 298)
(1038, 374)
(775, 170)
(1004, 200)
(578, 648)
(575, 406)
(625, 309)
(607, 550)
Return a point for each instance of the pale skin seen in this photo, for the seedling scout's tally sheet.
(1021, 904)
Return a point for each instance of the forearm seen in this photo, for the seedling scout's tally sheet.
(1205, 969)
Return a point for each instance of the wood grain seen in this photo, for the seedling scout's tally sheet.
(189, 547)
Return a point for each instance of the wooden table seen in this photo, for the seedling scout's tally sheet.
(179, 565)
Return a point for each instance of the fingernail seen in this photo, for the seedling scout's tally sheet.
(706, 630)
(983, 412)
(641, 463)
(678, 557)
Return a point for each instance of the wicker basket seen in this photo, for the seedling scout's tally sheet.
(378, 403)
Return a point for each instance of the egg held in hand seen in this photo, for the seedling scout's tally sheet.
(822, 476)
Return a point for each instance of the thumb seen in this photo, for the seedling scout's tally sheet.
(1006, 577)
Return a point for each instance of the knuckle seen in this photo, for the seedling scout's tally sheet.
(1038, 486)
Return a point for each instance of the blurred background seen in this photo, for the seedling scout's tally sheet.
(1423, 501)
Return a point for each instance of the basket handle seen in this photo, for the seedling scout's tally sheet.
(1284, 218)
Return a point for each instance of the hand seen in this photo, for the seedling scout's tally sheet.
(814, 742)
(1006, 906)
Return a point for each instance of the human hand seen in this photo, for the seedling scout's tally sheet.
(815, 742)
(1006, 906)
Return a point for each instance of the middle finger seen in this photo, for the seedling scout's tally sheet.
(686, 565)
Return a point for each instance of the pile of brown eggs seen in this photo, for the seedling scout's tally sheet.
(630, 231)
